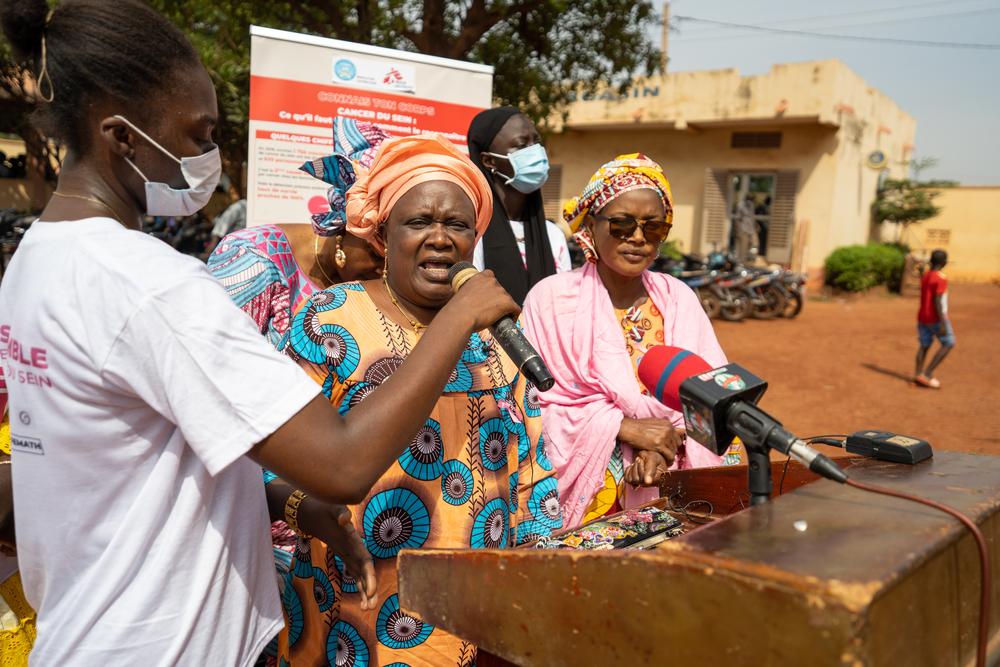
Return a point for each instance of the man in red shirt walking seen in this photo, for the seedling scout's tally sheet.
(932, 320)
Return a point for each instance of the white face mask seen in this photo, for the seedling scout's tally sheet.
(201, 173)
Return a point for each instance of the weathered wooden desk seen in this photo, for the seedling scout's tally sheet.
(823, 575)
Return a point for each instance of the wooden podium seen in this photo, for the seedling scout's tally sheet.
(823, 575)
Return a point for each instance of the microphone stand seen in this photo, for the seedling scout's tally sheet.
(760, 433)
(758, 474)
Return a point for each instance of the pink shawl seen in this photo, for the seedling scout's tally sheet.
(571, 321)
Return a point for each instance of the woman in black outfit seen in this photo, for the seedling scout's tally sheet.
(520, 246)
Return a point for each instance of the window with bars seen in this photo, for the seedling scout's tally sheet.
(716, 223)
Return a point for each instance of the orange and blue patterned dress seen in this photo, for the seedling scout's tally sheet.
(474, 476)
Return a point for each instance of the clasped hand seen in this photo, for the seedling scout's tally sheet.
(655, 442)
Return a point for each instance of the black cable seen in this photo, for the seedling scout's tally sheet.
(684, 509)
(696, 37)
(784, 471)
(809, 440)
(855, 38)
(882, 10)
(827, 441)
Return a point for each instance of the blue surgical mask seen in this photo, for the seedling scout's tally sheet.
(531, 168)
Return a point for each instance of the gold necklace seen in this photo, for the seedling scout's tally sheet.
(417, 326)
(95, 200)
(329, 282)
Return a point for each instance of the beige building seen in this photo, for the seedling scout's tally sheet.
(806, 142)
(968, 228)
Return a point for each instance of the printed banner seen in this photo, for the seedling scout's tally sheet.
(298, 84)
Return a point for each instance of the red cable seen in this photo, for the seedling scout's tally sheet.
(984, 559)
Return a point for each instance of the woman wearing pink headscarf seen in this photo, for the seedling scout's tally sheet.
(475, 475)
(609, 440)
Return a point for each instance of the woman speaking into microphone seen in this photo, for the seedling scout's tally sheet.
(142, 419)
(475, 475)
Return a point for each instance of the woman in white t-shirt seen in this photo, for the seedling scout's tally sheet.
(520, 246)
(145, 402)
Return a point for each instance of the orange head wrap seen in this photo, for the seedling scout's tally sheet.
(401, 164)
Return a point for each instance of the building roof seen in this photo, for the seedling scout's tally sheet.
(824, 92)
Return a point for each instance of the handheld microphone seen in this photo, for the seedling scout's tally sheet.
(511, 338)
(720, 404)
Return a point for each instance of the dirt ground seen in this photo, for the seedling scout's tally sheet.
(845, 365)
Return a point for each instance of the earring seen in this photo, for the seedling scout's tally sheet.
(339, 257)
(586, 243)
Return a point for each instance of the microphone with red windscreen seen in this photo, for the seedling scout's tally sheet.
(720, 403)
(663, 368)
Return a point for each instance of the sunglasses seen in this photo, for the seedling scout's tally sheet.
(622, 227)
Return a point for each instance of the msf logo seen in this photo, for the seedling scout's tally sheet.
(393, 76)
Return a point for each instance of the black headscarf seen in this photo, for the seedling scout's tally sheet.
(499, 245)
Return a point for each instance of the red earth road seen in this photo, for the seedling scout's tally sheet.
(845, 365)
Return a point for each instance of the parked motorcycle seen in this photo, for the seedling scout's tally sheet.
(729, 290)
(794, 284)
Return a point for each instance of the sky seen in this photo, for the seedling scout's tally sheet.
(953, 93)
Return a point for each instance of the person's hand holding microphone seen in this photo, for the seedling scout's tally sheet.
(504, 328)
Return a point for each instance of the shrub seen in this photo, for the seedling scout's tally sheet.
(670, 250)
(859, 267)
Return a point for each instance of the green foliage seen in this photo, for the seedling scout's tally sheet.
(919, 164)
(544, 51)
(859, 267)
(670, 250)
(904, 202)
(900, 245)
(550, 52)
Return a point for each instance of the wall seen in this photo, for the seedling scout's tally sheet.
(685, 155)
(14, 194)
(831, 120)
(970, 217)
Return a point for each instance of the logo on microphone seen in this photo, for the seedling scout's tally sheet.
(699, 425)
(730, 381)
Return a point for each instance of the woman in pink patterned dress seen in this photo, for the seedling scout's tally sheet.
(271, 270)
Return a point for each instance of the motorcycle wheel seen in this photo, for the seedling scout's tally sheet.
(736, 310)
(710, 302)
(774, 304)
(793, 306)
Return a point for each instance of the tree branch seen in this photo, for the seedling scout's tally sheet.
(479, 21)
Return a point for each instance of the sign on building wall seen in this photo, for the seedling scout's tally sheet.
(298, 83)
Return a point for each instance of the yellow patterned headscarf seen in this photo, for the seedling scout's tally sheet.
(625, 173)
